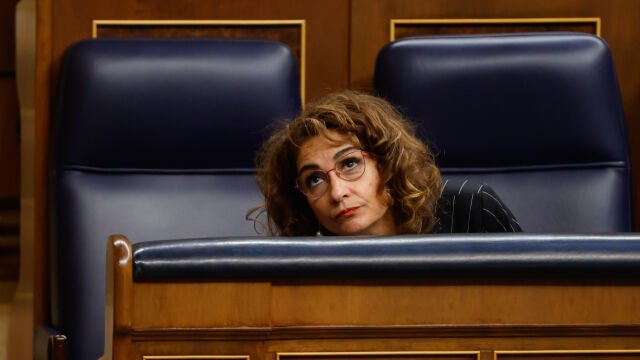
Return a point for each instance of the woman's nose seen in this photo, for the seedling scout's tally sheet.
(338, 188)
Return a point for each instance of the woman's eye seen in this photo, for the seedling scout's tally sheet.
(350, 164)
(314, 179)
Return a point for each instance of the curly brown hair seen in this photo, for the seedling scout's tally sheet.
(409, 178)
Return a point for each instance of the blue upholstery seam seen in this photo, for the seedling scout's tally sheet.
(157, 171)
(594, 165)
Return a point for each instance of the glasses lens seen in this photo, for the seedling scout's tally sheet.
(350, 167)
(313, 182)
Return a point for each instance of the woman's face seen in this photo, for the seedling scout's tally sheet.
(346, 207)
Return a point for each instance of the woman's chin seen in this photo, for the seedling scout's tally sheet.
(351, 231)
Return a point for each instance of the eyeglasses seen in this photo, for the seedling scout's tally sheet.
(314, 182)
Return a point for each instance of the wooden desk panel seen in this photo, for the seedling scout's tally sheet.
(438, 319)
(208, 305)
(454, 303)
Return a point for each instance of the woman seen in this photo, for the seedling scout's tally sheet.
(350, 164)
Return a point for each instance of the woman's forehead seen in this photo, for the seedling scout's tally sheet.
(322, 148)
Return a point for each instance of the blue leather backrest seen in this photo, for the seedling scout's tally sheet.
(537, 116)
(154, 139)
(375, 258)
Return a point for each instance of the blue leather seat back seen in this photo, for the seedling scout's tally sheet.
(154, 139)
(433, 256)
(537, 116)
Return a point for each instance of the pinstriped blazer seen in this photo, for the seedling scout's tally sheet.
(466, 207)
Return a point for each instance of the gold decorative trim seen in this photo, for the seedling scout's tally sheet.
(281, 355)
(190, 357)
(394, 22)
(300, 22)
(561, 352)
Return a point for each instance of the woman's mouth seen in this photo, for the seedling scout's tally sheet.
(347, 212)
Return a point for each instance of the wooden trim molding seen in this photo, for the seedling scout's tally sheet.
(194, 357)
(394, 23)
(498, 354)
(32, 46)
(99, 28)
(364, 332)
(118, 297)
(374, 354)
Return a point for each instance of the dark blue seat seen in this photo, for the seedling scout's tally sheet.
(537, 116)
(154, 139)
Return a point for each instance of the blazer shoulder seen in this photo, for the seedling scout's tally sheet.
(467, 206)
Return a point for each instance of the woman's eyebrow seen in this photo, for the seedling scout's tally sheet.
(337, 155)
(307, 167)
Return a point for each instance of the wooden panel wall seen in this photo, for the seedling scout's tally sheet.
(9, 119)
(290, 32)
(327, 52)
(343, 38)
(9, 147)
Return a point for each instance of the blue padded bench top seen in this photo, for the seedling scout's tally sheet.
(269, 258)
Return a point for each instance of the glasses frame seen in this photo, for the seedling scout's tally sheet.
(326, 173)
